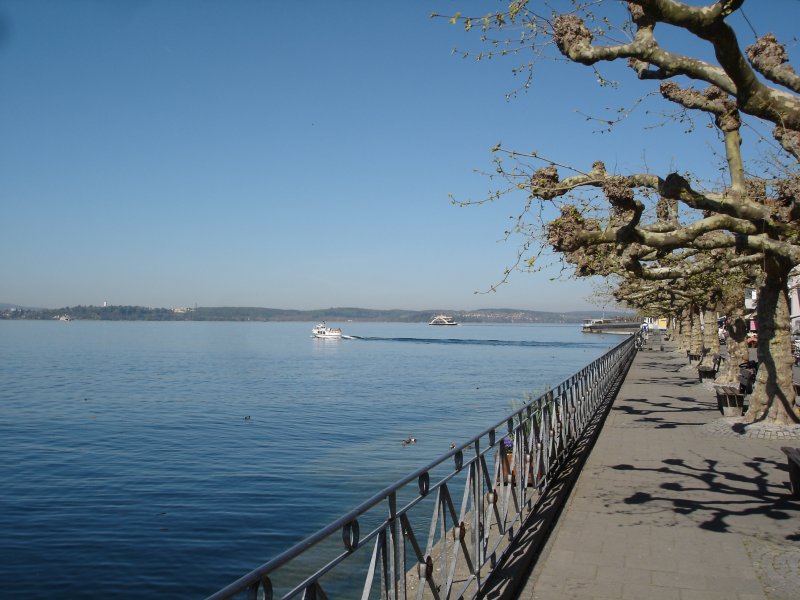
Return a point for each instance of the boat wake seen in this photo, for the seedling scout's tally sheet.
(469, 342)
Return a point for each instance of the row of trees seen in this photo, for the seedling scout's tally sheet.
(673, 245)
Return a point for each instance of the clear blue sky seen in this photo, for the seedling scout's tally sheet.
(289, 155)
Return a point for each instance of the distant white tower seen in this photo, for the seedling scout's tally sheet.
(105, 303)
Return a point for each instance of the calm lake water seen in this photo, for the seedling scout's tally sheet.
(129, 468)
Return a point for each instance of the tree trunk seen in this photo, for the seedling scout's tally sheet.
(696, 334)
(680, 331)
(685, 330)
(710, 335)
(736, 326)
(772, 400)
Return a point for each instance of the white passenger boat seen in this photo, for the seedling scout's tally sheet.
(321, 330)
(442, 320)
(610, 326)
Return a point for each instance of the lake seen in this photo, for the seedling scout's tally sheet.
(143, 459)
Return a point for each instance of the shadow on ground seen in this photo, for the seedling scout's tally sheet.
(712, 496)
(663, 415)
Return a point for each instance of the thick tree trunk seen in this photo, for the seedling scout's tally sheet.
(685, 330)
(696, 338)
(736, 341)
(710, 335)
(677, 331)
(773, 397)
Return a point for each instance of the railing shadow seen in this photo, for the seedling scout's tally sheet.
(711, 496)
(449, 528)
(509, 579)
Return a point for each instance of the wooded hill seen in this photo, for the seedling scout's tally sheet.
(223, 313)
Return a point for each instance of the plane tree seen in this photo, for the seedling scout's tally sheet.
(634, 217)
(684, 286)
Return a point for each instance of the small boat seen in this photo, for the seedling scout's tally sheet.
(442, 320)
(323, 331)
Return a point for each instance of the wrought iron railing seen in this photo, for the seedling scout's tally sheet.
(412, 540)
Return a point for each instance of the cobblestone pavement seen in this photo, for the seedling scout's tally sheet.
(675, 502)
(733, 427)
(777, 567)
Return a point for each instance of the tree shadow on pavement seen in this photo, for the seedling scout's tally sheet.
(679, 383)
(712, 496)
(651, 410)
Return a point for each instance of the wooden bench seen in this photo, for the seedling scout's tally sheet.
(696, 356)
(793, 456)
(730, 401)
(709, 371)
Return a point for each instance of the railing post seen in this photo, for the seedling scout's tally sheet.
(477, 515)
(397, 545)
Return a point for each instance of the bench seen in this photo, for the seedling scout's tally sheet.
(793, 456)
(709, 371)
(698, 356)
(730, 400)
(747, 376)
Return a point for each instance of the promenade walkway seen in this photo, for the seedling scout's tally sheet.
(675, 502)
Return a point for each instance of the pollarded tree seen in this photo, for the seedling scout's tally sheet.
(748, 215)
(685, 285)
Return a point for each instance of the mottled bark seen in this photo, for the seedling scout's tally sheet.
(737, 327)
(773, 396)
(710, 335)
(696, 337)
(684, 330)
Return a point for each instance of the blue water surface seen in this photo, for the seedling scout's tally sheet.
(143, 459)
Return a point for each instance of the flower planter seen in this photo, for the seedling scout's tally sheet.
(509, 471)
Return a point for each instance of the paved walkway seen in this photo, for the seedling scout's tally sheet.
(675, 502)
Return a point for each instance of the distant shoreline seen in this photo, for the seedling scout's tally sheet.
(140, 313)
